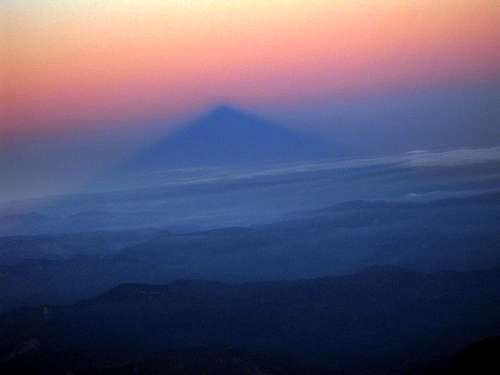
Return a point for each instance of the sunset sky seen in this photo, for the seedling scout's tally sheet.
(77, 63)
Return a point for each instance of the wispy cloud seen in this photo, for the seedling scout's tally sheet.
(463, 156)
(412, 159)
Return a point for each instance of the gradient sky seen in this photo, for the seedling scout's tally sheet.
(76, 63)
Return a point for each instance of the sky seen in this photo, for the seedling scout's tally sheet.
(69, 64)
(83, 82)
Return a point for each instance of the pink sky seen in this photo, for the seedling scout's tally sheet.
(88, 62)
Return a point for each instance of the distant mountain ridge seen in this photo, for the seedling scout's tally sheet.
(227, 136)
(339, 240)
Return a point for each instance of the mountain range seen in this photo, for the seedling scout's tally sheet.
(64, 268)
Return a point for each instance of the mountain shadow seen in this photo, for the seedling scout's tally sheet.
(229, 137)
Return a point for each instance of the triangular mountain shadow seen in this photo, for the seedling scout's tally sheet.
(227, 136)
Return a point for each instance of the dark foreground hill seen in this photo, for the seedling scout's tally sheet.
(478, 357)
(192, 361)
(382, 320)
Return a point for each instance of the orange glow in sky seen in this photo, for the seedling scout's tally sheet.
(67, 63)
